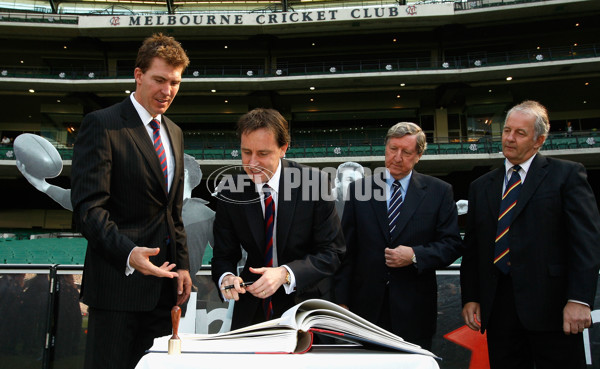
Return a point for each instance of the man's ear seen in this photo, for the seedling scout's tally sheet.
(283, 150)
(137, 74)
(539, 142)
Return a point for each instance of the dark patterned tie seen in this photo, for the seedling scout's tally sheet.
(509, 201)
(160, 150)
(395, 204)
(269, 225)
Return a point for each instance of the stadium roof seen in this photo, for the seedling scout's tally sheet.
(109, 7)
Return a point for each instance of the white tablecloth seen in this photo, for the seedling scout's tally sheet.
(326, 357)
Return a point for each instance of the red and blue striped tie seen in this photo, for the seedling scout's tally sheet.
(509, 201)
(269, 226)
(160, 150)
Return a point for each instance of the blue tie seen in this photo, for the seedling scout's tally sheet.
(509, 201)
(269, 226)
(395, 204)
(160, 150)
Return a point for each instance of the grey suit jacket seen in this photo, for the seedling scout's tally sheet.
(120, 201)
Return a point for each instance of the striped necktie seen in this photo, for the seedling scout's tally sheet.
(507, 205)
(160, 150)
(395, 204)
(269, 227)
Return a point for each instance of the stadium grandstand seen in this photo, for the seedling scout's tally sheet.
(341, 71)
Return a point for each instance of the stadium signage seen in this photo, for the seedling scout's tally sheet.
(267, 18)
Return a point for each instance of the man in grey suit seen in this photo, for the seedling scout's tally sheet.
(128, 204)
(388, 274)
(530, 283)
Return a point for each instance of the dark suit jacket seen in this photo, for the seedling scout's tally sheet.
(309, 236)
(120, 201)
(554, 248)
(427, 222)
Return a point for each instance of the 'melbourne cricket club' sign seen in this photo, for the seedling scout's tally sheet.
(267, 18)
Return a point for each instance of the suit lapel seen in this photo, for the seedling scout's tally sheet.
(494, 191)
(380, 207)
(285, 207)
(254, 215)
(137, 130)
(414, 195)
(535, 175)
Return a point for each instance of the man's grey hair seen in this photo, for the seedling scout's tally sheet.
(407, 128)
(542, 123)
(349, 165)
(193, 170)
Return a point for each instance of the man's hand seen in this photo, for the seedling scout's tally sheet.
(232, 293)
(184, 286)
(576, 317)
(139, 259)
(271, 279)
(400, 256)
(472, 315)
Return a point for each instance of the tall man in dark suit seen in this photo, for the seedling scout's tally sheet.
(399, 226)
(127, 204)
(530, 282)
(308, 243)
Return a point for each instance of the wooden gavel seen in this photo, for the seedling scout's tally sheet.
(174, 341)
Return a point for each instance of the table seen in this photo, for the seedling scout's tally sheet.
(320, 356)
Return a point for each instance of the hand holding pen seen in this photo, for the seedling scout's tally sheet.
(229, 290)
(243, 284)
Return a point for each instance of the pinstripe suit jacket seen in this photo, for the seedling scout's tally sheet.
(427, 222)
(120, 201)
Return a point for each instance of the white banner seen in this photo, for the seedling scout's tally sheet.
(267, 18)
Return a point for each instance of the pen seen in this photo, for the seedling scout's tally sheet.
(243, 284)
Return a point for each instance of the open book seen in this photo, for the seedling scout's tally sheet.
(293, 333)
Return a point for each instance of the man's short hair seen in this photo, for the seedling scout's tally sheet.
(407, 128)
(164, 47)
(269, 119)
(349, 165)
(542, 122)
(193, 170)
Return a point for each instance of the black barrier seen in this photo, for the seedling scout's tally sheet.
(43, 324)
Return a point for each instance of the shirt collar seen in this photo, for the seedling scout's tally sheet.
(273, 182)
(403, 182)
(142, 112)
(524, 166)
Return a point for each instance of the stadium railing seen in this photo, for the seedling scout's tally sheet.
(336, 147)
(283, 69)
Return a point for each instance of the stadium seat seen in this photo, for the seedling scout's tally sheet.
(586, 142)
(360, 150)
(213, 153)
(432, 148)
(450, 148)
(496, 147)
(295, 152)
(315, 152)
(197, 154)
(560, 143)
